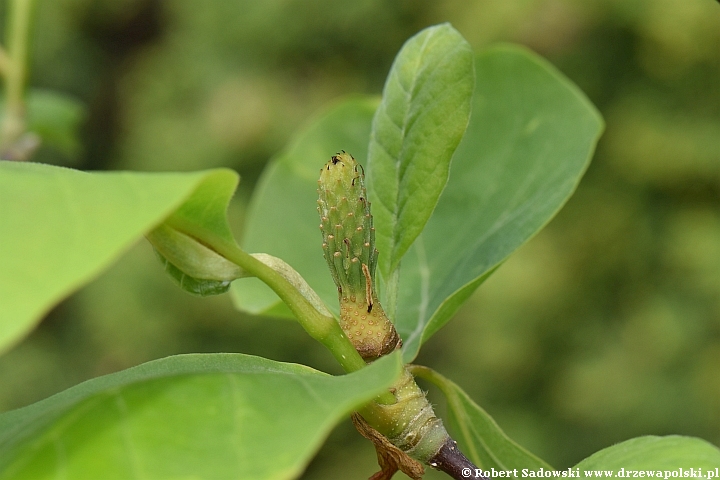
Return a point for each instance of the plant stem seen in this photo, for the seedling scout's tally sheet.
(449, 458)
(325, 329)
(322, 328)
(18, 28)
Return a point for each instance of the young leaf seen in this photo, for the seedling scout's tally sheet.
(656, 454)
(480, 438)
(221, 416)
(282, 218)
(422, 117)
(61, 227)
(530, 138)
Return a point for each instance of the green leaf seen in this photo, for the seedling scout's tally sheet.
(283, 219)
(193, 266)
(530, 138)
(207, 207)
(479, 437)
(422, 117)
(220, 416)
(56, 118)
(529, 141)
(197, 286)
(61, 227)
(656, 454)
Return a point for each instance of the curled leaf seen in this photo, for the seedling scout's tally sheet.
(191, 256)
(196, 268)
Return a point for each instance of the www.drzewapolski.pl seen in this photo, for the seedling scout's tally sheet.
(578, 473)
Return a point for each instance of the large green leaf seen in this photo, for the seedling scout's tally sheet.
(479, 437)
(417, 127)
(530, 138)
(655, 454)
(61, 227)
(219, 416)
(283, 219)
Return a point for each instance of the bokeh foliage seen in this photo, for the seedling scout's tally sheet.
(605, 326)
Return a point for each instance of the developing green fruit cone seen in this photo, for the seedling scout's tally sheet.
(349, 249)
(406, 432)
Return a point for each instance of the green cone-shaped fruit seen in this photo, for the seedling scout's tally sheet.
(408, 428)
(349, 249)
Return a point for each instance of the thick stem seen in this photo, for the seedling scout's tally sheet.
(452, 461)
(449, 458)
(410, 424)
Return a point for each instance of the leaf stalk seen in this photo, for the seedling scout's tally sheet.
(325, 329)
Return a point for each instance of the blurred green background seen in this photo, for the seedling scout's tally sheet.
(604, 327)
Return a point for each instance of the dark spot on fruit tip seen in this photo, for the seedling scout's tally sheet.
(370, 308)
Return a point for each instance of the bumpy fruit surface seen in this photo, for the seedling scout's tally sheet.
(349, 249)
